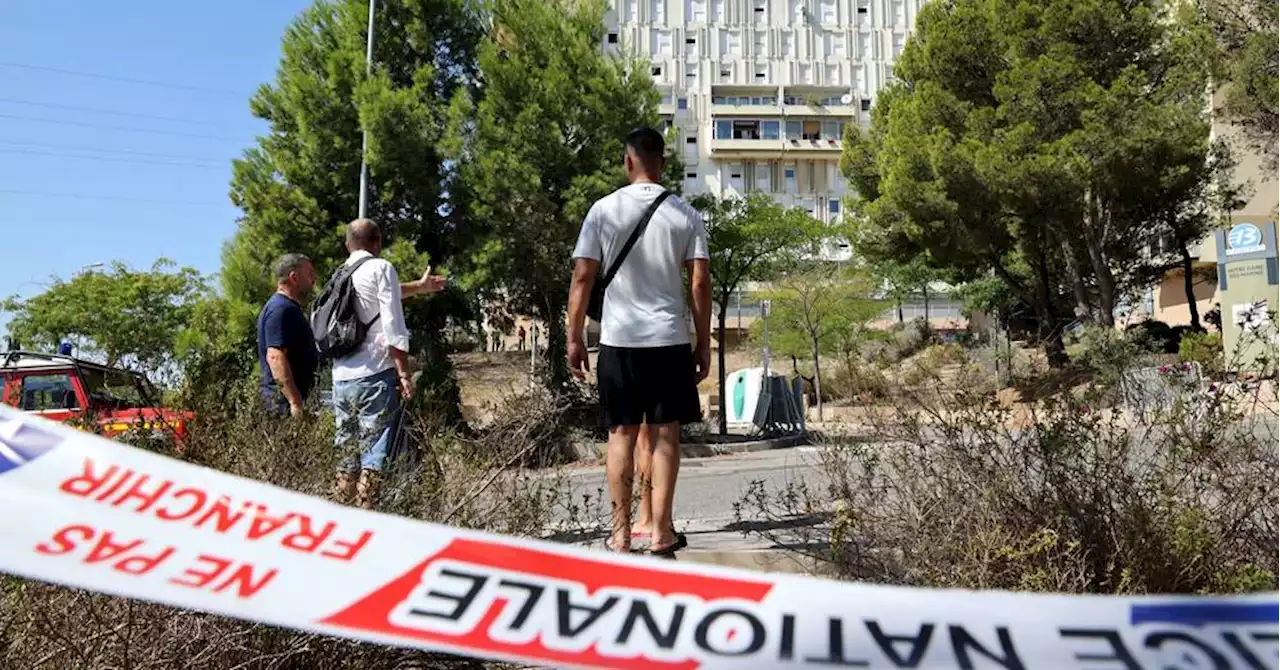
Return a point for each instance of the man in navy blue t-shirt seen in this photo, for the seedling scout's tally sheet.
(287, 353)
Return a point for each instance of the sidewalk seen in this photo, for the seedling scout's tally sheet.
(722, 542)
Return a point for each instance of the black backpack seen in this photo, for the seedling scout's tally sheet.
(335, 324)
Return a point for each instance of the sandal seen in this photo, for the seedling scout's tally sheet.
(670, 550)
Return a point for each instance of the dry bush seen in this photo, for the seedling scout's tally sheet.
(1072, 494)
(442, 474)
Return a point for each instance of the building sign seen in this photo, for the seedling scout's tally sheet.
(1244, 238)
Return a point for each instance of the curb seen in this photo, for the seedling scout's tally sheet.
(596, 451)
(759, 560)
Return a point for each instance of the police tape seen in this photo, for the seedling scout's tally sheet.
(90, 513)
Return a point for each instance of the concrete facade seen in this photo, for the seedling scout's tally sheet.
(760, 92)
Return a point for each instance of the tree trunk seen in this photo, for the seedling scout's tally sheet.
(1189, 284)
(899, 302)
(1083, 310)
(1095, 242)
(557, 366)
(817, 379)
(924, 288)
(1047, 330)
(723, 405)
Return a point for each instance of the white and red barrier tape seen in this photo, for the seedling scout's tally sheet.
(86, 512)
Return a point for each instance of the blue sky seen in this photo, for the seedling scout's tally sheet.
(79, 187)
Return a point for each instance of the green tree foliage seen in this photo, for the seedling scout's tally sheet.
(1039, 134)
(1245, 33)
(747, 238)
(300, 185)
(536, 143)
(120, 316)
(820, 308)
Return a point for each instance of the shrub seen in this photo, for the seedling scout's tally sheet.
(469, 480)
(1202, 348)
(1063, 495)
(1110, 352)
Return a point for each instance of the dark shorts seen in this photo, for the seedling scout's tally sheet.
(657, 384)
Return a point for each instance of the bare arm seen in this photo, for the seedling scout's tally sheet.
(700, 301)
(282, 372)
(427, 284)
(584, 277)
(700, 298)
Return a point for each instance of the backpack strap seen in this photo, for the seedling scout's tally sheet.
(631, 241)
(351, 274)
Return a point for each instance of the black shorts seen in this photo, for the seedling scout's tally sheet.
(657, 384)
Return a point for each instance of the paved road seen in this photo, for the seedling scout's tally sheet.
(708, 487)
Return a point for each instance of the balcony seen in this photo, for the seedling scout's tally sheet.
(747, 148)
(818, 101)
(813, 145)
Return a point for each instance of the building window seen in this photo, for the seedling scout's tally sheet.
(717, 11)
(659, 13)
(866, 105)
(794, 130)
(726, 73)
(657, 70)
(833, 76)
(833, 207)
(811, 130)
(789, 176)
(762, 12)
(691, 140)
(746, 130)
(762, 43)
(662, 43)
(724, 130)
(682, 103)
(830, 130)
(769, 130)
(762, 73)
(698, 10)
(764, 178)
(806, 73)
(691, 175)
(828, 10)
(612, 38)
(733, 43)
(691, 72)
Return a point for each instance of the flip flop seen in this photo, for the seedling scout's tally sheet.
(670, 551)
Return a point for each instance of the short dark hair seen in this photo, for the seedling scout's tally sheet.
(288, 264)
(647, 143)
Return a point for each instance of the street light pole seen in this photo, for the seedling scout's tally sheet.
(364, 144)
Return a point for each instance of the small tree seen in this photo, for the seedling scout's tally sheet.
(120, 316)
(814, 306)
(746, 237)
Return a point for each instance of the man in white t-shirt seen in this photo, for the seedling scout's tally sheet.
(648, 370)
(369, 382)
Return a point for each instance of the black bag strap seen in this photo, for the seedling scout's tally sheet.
(350, 271)
(631, 241)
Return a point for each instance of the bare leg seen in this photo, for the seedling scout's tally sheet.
(619, 464)
(644, 475)
(665, 469)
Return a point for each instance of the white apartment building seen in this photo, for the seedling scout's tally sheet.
(760, 91)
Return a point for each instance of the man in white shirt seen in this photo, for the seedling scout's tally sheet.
(369, 382)
(647, 371)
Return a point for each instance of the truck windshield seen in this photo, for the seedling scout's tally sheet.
(113, 389)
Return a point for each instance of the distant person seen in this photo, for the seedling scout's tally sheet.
(647, 371)
(287, 357)
(370, 381)
(520, 335)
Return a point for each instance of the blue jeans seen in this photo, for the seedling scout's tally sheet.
(367, 411)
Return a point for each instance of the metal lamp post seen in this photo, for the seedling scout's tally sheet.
(364, 145)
